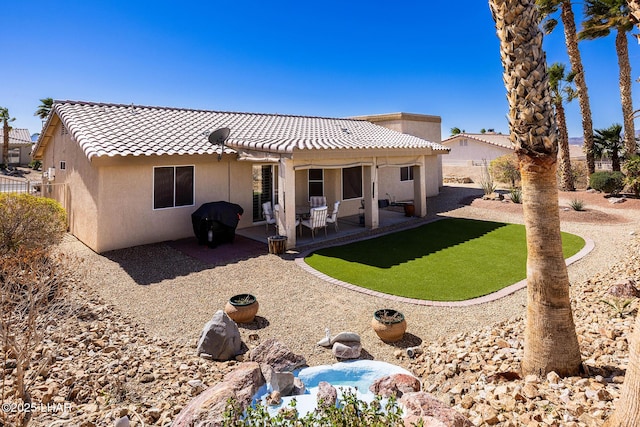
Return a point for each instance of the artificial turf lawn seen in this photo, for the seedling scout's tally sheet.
(447, 260)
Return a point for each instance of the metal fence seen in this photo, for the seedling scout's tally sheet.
(14, 185)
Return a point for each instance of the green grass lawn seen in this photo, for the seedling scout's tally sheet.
(447, 260)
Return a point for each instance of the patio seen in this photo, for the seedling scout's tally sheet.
(348, 226)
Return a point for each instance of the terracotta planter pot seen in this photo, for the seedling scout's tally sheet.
(390, 325)
(242, 308)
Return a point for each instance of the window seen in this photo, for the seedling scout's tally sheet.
(172, 186)
(316, 182)
(464, 143)
(63, 165)
(406, 173)
(352, 183)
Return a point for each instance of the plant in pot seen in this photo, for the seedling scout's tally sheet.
(390, 325)
(242, 308)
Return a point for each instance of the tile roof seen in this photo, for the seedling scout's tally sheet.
(498, 139)
(124, 130)
(17, 137)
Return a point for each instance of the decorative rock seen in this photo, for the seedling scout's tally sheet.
(123, 422)
(274, 398)
(395, 385)
(624, 289)
(281, 382)
(326, 341)
(421, 406)
(327, 394)
(241, 384)
(275, 354)
(345, 337)
(617, 200)
(349, 350)
(220, 338)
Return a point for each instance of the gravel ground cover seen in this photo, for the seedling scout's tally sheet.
(148, 304)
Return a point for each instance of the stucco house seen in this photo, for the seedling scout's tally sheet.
(131, 175)
(471, 149)
(20, 145)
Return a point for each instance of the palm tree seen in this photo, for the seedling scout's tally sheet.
(627, 411)
(547, 8)
(6, 119)
(634, 8)
(44, 108)
(561, 91)
(550, 342)
(609, 143)
(603, 16)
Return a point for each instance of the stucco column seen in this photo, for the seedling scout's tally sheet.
(370, 194)
(420, 189)
(287, 201)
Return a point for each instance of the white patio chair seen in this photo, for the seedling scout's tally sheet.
(269, 216)
(333, 218)
(317, 201)
(318, 219)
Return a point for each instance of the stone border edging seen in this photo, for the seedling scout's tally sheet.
(589, 245)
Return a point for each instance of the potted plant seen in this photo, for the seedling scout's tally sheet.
(242, 308)
(389, 324)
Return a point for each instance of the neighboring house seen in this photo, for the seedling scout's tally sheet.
(472, 149)
(20, 145)
(131, 175)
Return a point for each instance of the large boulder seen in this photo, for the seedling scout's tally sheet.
(220, 338)
(275, 354)
(208, 408)
(395, 385)
(421, 406)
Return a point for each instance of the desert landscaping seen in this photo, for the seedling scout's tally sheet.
(127, 344)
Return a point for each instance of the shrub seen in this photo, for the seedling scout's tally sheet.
(632, 169)
(516, 195)
(33, 290)
(580, 173)
(607, 182)
(352, 412)
(505, 169)
(577, 204)
(30, 222)
(486, 180)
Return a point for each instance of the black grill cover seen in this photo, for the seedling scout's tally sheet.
(216, 222)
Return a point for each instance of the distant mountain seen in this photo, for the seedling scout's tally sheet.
(576, 140)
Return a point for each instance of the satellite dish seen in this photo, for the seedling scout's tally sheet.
(218, 137)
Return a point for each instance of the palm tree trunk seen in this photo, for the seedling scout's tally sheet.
(627, 412)
(551, 343)
(622, 49)
(565, 156)
(571, 40)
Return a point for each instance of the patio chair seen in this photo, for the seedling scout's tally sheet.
(333, 218)
(317, 201)
(318, 219)
(269, 216)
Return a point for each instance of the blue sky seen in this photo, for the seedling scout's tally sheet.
(331, 58)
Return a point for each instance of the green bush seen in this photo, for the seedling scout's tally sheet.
(30, 222)
(577, 205)
(607, 182)
(352, 412)
(505, 169)
(632, 169)
(516, 195)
